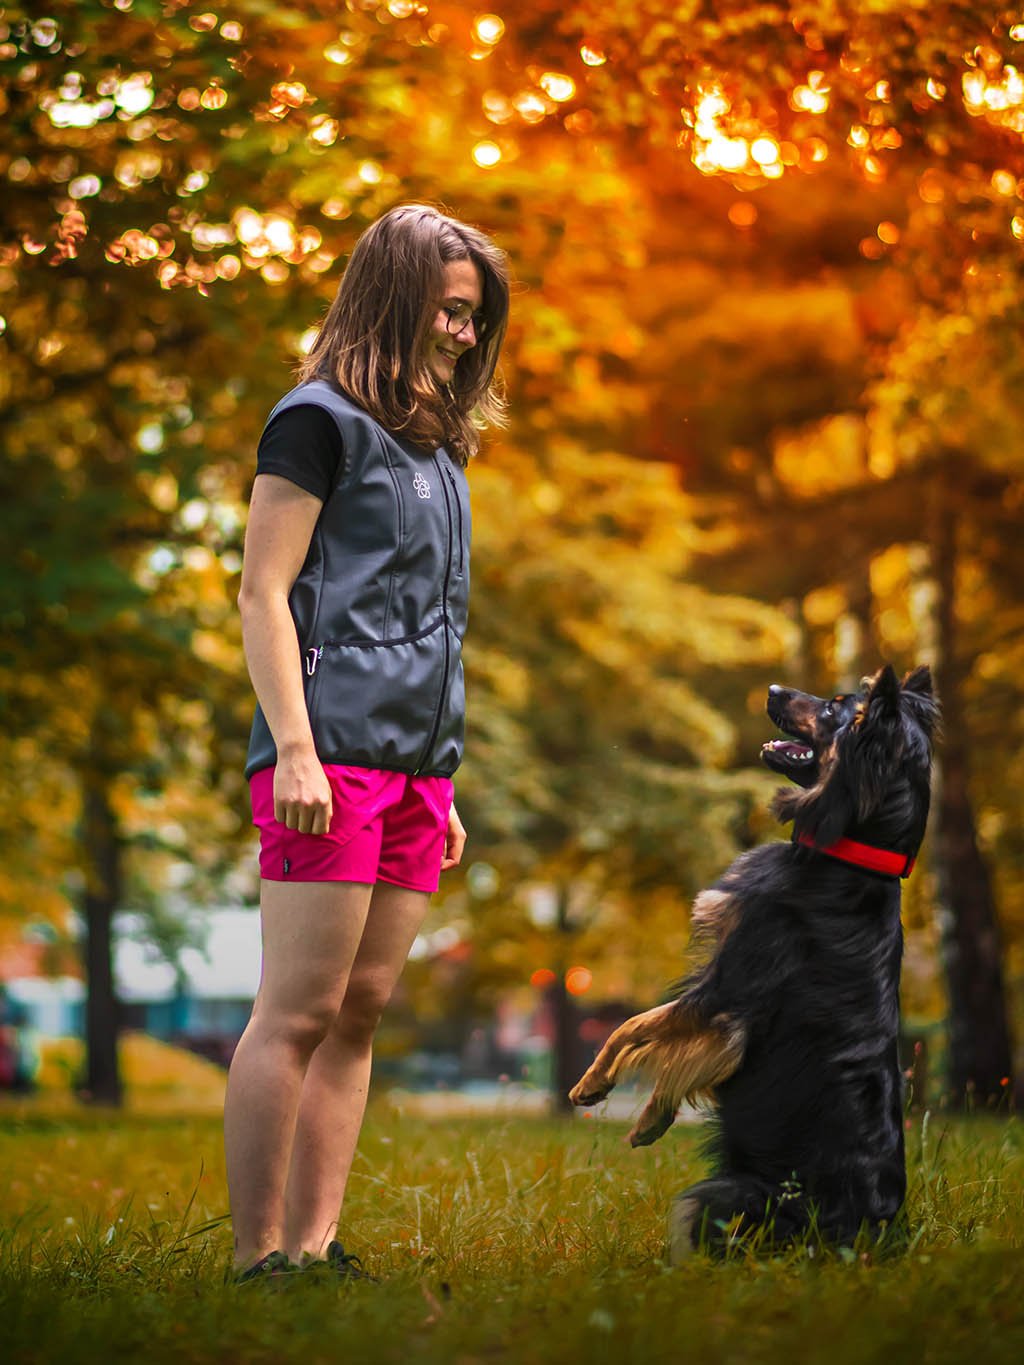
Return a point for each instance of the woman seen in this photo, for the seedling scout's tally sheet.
(353, 603)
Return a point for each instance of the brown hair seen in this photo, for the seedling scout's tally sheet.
(372, 339)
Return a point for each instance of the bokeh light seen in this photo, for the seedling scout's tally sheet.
(486, 154)
(578, 980)
(558, 86)
(489, 29)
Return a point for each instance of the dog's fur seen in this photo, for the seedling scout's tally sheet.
(791, 1027)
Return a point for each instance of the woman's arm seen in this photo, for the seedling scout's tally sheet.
(281, 521)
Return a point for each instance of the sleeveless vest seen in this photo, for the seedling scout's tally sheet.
(381, 602)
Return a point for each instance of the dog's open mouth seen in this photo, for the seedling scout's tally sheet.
(790, 750)
(792, 757)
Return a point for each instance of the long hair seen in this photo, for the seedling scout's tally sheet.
(371, 342)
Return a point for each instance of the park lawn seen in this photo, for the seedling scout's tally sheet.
(497, 1239)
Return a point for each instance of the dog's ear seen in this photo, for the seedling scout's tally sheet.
(874, 745)
(919, 680)
(919, 696)
(883, 698)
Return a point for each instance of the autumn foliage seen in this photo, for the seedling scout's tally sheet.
(763, 364)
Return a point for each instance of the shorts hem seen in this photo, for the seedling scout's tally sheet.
(317, 881)
(406, 886)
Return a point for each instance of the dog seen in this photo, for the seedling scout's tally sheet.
(789, 1029)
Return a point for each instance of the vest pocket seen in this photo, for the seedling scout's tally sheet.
(373, 702)
(446, 752)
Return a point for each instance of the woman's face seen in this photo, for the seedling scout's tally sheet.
(447, 340)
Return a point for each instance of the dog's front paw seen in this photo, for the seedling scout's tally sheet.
(652, 1124)
(588, 1090)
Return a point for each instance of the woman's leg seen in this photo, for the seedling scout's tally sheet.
(311, 933)
(335, 1088)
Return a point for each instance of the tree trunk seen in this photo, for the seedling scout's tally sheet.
(565, 1071)
(856, 643)
(102, 1081)
(979, 1039)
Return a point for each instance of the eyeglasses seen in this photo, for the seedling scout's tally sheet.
(460, 315)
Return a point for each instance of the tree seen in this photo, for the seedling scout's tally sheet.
(723, 219)
(946, 412)
(918, 111)
(171, 221)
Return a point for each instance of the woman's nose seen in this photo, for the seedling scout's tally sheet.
(467, 326)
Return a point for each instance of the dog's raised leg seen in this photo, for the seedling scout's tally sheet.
(687, 1055)
(619, 1053)
(656, 1118)
(687, 1064)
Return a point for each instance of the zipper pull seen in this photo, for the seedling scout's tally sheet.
(312, 659)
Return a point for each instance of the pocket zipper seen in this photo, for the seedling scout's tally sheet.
(313, 656)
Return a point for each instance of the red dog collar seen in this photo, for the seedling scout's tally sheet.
(865, 855)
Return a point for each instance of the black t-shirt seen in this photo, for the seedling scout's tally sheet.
(302, 444)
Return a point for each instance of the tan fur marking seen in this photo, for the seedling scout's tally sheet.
(715, 910)
(601, 1075)
(686, 1067)
(686, 1057)
(682, 1219)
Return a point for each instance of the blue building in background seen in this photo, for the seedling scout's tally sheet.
(202, 1001)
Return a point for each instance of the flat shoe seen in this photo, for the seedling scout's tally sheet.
(345, 1266)
(270, 1267)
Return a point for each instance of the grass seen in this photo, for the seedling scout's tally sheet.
(498, 1240)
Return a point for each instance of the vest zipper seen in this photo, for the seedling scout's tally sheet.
(400, 536)
(458, 514)
(444, 616)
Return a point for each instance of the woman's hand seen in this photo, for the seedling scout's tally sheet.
(454, 841)
(282, 517)
(302, 793)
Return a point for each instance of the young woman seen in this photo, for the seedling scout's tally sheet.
(353, 603)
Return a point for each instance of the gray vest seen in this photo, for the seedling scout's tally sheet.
(380, 604)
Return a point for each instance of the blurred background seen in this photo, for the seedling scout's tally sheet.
(764, 368)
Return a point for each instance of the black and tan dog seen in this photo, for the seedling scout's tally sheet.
(790, 1028)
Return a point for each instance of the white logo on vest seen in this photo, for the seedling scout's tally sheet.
(421, 486)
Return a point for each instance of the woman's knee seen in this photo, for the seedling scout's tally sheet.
(365, 1000)
(299, 1030)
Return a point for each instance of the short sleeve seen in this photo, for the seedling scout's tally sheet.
(303, 444)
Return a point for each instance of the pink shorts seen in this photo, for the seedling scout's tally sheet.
(385, 827)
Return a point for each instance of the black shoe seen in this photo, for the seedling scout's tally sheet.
(346, 1267)
(271, 1267)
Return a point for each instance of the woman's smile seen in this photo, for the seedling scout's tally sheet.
(447, 342)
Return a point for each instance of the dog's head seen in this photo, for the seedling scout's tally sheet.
(862, 759)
